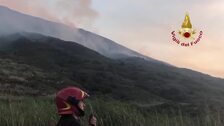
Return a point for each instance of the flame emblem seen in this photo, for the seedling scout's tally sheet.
(186, 34)
(186, 30)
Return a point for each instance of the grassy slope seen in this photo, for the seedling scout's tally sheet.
(49, 64)
(124, 92)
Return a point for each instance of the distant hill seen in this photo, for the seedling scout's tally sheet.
(12, 22)
(33, 64)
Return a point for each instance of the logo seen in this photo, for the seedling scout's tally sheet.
(186, 36)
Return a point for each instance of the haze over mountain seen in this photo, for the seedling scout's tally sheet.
(12, 22)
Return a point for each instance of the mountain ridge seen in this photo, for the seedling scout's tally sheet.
(13, 22)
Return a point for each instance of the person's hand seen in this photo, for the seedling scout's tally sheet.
(92, 120)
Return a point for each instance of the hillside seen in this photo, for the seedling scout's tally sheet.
(32, 64)
(12, 22)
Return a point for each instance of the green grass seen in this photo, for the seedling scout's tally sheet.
(27, 112)
(41, 111)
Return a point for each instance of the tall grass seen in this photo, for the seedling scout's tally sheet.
(26, 111)
(41, 111)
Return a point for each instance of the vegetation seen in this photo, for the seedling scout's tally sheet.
(33, 64)
(128, 91)
(41, 111)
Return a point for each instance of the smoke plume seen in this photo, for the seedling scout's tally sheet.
(71, 12)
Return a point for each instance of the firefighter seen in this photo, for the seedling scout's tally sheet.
(70, 106)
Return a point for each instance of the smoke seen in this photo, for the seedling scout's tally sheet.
(71, 12)
(77, 11)
(35, 8)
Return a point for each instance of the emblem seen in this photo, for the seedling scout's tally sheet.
(186, 36)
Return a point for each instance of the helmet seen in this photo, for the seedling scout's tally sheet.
(67, 101)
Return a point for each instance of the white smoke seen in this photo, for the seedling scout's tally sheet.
(77, 12)
(71, 12)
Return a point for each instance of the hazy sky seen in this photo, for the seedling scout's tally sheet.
(144, 26)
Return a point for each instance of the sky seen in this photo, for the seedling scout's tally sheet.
(144, 26)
